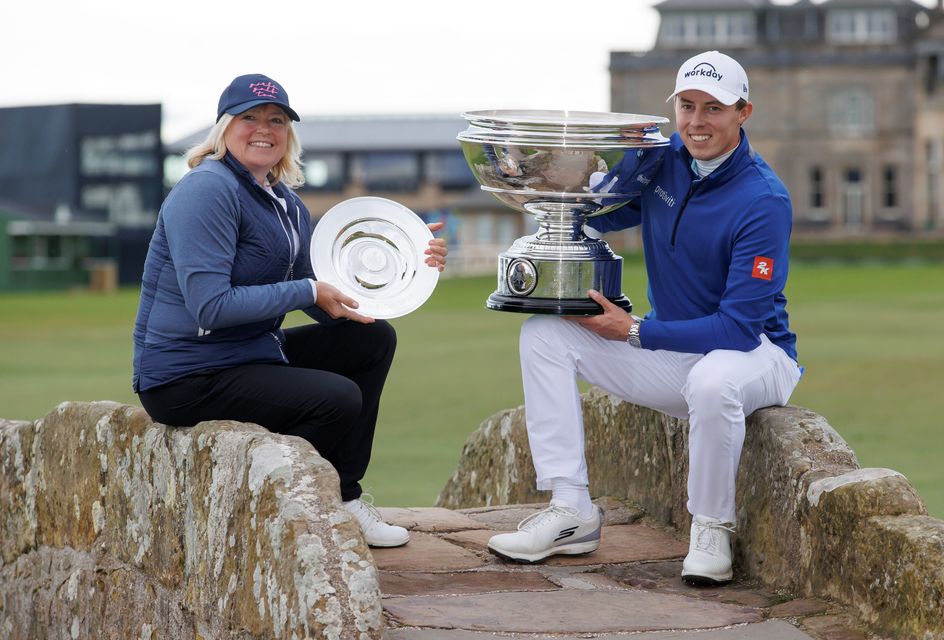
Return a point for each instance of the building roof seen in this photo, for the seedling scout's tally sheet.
(879, 4)
(26, 218)
(716, 5)
(364, 133)
(721, 5)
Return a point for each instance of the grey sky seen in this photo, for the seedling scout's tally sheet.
(348, 56)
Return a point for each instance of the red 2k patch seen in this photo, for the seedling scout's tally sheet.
(763, 268)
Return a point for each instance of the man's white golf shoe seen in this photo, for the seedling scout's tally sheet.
(377, 533)
(709, 552)
(558, 529)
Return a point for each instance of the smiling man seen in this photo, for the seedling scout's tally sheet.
(715, 222)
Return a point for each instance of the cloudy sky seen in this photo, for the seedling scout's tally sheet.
(347, 56)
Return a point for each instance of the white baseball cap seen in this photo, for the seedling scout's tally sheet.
(714, 73)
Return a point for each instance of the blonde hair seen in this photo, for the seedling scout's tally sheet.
(288, 171)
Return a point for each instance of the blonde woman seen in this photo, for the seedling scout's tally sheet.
(228, 259)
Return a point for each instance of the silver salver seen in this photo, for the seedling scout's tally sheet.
(562, 167)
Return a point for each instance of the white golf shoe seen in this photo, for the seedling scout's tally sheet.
(377, 533)
(709, 552)
(557, 529)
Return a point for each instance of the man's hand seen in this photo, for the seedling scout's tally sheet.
(612, 324)
(437, 249)
(338, 305)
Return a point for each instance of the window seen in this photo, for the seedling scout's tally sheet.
(127, 154)
(484, 229)
(388, 171)
(861, 26)
(853, 199)
(175, 166)
(851, 112)
(709, 29)
(122, 203)
(506, 231)
(934, 74)
(449, 170)
(22, 248)
(934, 153)
(817, 197)
(324, 171)
(704, 28)
(890, 187)
(673, 29)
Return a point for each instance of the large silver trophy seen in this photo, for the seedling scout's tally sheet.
(562, 167)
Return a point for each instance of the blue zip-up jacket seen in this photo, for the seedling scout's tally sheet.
(222, 270)
(716, 250)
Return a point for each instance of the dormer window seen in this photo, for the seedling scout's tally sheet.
(861, 26)
(723, 29)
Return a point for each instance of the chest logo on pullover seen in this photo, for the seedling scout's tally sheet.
(763, 268)
(665, 197)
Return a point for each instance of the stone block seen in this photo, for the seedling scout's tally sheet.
(114, 526)
(808, 519)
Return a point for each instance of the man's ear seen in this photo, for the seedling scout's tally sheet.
(745, 113)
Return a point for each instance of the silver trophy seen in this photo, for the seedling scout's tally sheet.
(562, 167)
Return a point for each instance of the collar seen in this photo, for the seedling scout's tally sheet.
(245, 176)
(742, 155)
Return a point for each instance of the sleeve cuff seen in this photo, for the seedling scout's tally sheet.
(314, 291)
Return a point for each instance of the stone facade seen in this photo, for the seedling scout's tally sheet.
(112, 526)
(809, 519)
(849, 125)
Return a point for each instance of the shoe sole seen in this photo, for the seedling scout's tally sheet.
(705, 580)
(387, 545)
(564, 550)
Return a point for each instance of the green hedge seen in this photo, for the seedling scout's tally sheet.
(858, 250)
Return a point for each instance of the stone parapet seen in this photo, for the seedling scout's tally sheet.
(809, 519)
(112, 526)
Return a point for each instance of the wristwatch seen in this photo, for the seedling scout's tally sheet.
(633, 337)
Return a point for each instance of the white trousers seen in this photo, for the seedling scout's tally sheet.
(714, 392)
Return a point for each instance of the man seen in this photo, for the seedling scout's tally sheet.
(715, 222)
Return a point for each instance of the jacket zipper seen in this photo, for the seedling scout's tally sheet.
(279, 342)
(678, 218)
(288, 236)
(291, 255)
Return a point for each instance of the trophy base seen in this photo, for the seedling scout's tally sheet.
(554, 306)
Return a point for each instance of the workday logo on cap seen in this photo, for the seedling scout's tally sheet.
(714, 73)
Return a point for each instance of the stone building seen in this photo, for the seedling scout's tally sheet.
(848, 97)
(411, 159)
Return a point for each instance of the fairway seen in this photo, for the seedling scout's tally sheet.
(869, 337)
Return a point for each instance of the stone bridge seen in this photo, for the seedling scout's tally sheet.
(112, 526)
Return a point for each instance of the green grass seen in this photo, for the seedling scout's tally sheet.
(869, 336)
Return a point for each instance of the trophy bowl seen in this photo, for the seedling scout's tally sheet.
(562, 167)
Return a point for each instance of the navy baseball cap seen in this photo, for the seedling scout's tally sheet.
(246, 92)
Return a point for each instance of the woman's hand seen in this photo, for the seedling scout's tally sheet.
(338, 305)
(437, 249)
(612, 324)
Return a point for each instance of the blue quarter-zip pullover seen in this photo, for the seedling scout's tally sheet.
(716, 252)
(222, 270)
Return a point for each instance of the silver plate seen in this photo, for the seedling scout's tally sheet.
(372, 249)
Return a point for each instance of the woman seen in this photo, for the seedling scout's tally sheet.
(228, 259)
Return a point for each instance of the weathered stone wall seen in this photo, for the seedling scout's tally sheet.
(809, 519)
(112, 526)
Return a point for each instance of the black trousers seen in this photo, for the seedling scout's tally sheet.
(328, 394)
